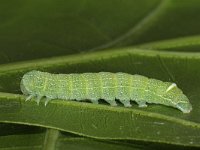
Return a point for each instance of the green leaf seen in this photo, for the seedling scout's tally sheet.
(66, 27)
(102, 121)
(42, 34)
(37, 141)
(185, 44)
(21, 142)
(11, 129)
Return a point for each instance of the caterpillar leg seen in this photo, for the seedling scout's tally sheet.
(47, 101)
(111, 102)
(141, 104)
(38, 99)
(126, 103)
(29, 97)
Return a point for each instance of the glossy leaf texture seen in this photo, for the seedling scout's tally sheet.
(159, 39)
(103, 121)
(42, 28)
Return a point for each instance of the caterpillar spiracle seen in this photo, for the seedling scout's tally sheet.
(103, 85)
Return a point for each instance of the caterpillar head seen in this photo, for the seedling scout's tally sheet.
(28, 81)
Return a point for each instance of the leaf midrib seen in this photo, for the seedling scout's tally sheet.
(73, 59)
(102, 107)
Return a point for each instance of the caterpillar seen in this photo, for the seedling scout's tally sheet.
(103, 85)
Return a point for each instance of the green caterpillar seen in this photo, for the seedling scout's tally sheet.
(103, 85)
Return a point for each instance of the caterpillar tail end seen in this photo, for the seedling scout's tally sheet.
(184, 107)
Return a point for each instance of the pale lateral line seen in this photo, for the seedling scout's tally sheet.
(130, 85)
(101, 84)
(133, 88)
(115, 81)
(136, 28)
(45, 84)
(86, 85)
(71, 86)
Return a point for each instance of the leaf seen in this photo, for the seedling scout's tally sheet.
(67, 27)
(64, 27)
(150, 124)
(19, 142)
(37, 141)
(12, 129)
(188, 44)
(43, 34)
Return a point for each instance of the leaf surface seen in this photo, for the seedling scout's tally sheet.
(99, 121)
(159, 39)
